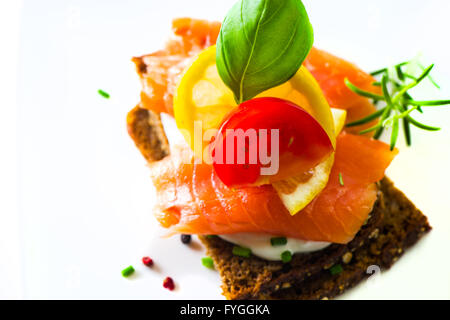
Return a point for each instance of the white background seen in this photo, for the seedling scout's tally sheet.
(75, 196)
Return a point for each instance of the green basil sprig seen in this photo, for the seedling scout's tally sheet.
(262, 44)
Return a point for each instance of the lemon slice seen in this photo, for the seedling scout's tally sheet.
(202, 101)
(339, 117)
(296, 192)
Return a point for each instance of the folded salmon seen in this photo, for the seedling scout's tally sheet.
(161, 70)
(330, 72)
(193, 200)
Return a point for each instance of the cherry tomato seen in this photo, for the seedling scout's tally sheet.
(265, 140)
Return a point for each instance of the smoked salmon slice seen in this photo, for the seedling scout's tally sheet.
(330, 72)
(193, 200)
(160, 72)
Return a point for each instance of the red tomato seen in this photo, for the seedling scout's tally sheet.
(266, 140)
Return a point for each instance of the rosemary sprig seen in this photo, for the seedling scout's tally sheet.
(399, 104)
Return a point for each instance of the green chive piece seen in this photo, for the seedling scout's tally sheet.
(211, 236)
(278, 241)
(286, 256)
(104, 94)
(336, 269)
(242, 252)
(208, 262)
(341, 180)
(128, 271)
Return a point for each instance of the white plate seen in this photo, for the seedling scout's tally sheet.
(85, 195)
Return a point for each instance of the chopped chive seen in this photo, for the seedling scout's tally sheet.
(336, 269)
(104, 94)
(128, 271)
(211, 236)
(242, 252)
(278, 241)
(341, 180)
(208, 262)
(286, 256)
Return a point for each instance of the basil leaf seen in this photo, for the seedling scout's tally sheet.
(262, 44)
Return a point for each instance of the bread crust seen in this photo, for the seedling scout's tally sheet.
(146, 130)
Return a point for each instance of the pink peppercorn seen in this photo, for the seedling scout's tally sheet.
(168, 283)
(147, 261)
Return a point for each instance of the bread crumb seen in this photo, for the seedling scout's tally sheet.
(374, 234)
(286, 285)
(346, 258)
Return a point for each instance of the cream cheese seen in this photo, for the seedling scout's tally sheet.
(260, 245)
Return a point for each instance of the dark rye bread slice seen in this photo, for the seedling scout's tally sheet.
(394, 225)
